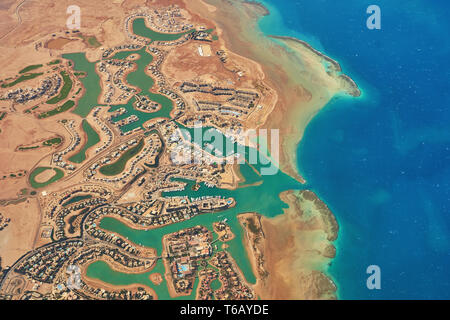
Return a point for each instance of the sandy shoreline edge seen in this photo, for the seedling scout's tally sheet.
(349, 87)
(355, 92)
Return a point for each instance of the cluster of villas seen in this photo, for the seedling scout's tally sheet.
(48, 87)
(109, 52)
(168, 20)
(149, 152)
(233, 287)
(107, 131)
(3, 222)
(44, 263)
(115, 80)
(75, 141)
(184, 249)
(60, 219)
(237, 103)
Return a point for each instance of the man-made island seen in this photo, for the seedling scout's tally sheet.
(102, 194)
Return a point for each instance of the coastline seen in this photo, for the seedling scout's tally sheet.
(265, 11)
(302, 64)
(293, 248)
(300, 82)
(309, 98)
(353, 89)
(293, 69)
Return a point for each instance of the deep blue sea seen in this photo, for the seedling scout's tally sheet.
(381, 162)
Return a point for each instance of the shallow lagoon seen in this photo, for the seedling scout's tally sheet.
(92, 81)
(141, 80)
(248, 197)
(141, 29)
(92, 139)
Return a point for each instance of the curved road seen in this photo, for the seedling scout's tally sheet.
(19, 19)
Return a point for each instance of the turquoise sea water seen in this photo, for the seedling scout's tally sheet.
(381, 162)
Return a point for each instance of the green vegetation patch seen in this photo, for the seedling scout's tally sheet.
(118, 166)
(93, 42)
(29, 68)
(52, 142)
(67, 86)
(22, 78)
(58, 175)
(57, 61)
(28, 148)
(66, 106)
(92, 139)
(31, 109)
(2, 115)
(76, 199)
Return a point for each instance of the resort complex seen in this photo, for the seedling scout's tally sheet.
(133, 150)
